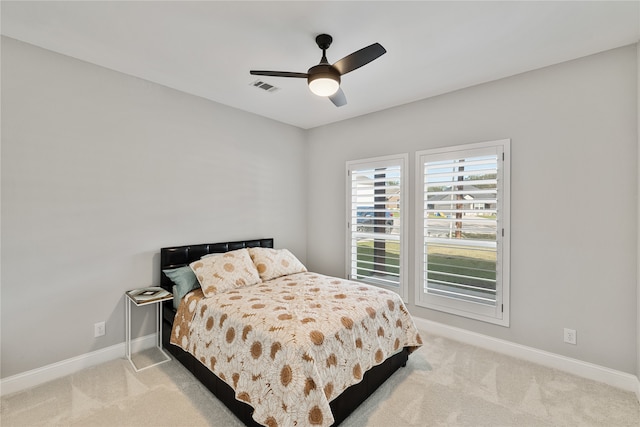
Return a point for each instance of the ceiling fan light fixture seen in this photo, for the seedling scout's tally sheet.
(324, 86)
(323, 80)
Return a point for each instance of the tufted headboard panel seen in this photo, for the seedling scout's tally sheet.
(178, 256)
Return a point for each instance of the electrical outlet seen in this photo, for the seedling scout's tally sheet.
(99, 329)
(570, 336)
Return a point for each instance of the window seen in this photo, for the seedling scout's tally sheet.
(462, 230)
(375, 222)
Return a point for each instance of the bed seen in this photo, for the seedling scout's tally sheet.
(268, 350)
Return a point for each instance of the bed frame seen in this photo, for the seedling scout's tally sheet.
(341, 407)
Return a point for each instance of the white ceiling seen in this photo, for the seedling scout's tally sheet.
(207, 48)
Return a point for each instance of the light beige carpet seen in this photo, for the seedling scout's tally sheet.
(445, 383)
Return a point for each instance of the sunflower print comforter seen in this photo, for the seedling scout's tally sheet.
(290, 345)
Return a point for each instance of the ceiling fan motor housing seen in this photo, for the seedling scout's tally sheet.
(323, 71)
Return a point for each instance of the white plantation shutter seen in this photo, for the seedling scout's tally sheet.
(463, 215)
(375, 217)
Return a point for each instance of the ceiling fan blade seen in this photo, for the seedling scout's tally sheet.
(338, 98)
(279, 74)
(359, 58)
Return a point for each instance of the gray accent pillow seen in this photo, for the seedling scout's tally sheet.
(185, 281)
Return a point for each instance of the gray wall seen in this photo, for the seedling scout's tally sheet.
(99, 171)
(574, 193)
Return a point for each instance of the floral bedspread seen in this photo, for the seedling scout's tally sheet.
(290, 345)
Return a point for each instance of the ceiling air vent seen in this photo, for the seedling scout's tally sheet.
(264, 86)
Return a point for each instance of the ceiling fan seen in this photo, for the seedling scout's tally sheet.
(324, 79)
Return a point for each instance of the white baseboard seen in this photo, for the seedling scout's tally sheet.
(591, 371)
(577, 367)
(56, 370)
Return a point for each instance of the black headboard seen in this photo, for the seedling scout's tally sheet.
(179, 256)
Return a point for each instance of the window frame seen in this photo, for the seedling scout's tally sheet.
(500, 313)
(401, 160)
